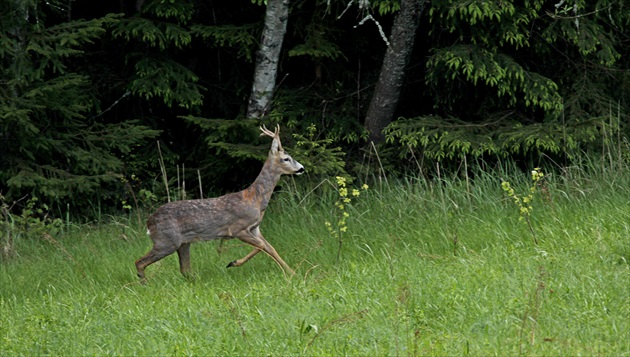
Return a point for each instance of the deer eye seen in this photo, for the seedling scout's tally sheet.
(286, 159)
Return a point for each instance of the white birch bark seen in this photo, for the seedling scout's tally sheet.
(265, 72)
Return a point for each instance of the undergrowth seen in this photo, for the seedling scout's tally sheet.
(429, 267)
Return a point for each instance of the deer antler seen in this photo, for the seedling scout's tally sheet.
(269, 132)
(275, 135)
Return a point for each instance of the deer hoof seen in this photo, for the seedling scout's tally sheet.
(232, 264)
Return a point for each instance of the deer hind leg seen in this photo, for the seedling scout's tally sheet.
(255, 238)
(184, 258)
(156, 253)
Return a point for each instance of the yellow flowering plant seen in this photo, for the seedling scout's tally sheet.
(338, 228)
(524, 202)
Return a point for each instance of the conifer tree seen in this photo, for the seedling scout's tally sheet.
(55, 145)
(156, 33)
(503, 77)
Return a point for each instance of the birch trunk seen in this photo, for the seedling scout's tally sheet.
(276, 18)
(387, 90)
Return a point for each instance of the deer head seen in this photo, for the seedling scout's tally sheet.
(278, 157)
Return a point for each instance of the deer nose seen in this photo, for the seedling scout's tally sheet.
(300, 171)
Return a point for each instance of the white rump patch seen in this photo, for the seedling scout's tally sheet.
(148, 232)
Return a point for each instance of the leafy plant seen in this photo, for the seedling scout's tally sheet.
(500, 72)
(54, 145)
(524, 202)
(32, 221)
(340, 226)
(317, 155)
(161, 30)
(242, 38)
(497, 90)
(501, 135)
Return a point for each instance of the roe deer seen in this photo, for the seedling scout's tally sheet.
(236, 215)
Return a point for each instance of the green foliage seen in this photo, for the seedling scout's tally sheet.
(334, 112)
(512, 20)
(230, 144)
(242, 38)
(159, 33)
(32, 222)
(237, 140)
(318, 158)
(167, 80)
(344, 199)
(509, 84)
(504, 135)
(497, 100)
(317, 45)
(181, 11)
(448, 138)
(485, 60)
(144, 199)
(54, 148)
(386, 6)
(524, 202)
(498, 71)
(220, 136)
(399, 289)
(490, 78)
(30, 51)
(579, 22)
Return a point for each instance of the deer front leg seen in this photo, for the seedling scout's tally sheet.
(272, 253)
(255, 238)
(239, 262)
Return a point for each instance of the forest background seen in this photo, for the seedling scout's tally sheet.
(493, 136)
(101, 101)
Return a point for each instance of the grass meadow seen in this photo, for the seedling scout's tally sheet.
(441, 267)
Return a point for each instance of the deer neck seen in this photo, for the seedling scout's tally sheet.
(262, 188)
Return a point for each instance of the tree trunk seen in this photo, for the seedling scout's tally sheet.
(276, 18)
(387, 91)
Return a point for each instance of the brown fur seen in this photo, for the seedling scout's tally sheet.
(175, 225)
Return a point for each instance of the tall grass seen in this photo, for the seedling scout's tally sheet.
(427, 268)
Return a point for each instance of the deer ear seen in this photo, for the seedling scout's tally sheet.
(275, 145)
